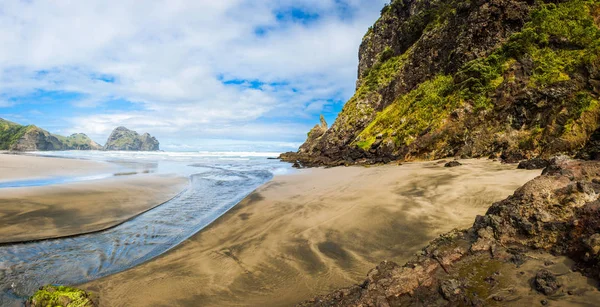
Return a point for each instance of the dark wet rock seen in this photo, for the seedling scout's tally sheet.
(535, 163)
(545, 282)
(452, 164)
(124, 139)
(591, 150)
(512, 157)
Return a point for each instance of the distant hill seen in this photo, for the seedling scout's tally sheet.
(124, 139)
(17, 137)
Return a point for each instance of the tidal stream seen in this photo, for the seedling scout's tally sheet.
(25, 267)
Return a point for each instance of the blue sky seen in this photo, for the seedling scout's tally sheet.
(196, 74)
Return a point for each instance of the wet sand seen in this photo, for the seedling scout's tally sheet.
(34, 213)
(306, 234)
(19, 167)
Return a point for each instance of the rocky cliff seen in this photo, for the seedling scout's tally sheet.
(124, 139)
(31, 138)
(478, 78)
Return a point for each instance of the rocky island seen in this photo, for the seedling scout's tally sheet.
(124, 139)
(15, 137)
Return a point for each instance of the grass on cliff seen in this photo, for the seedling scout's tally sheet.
(376, 78)
(559, 41)
(75, 141)
(423, 108)
(10, 133)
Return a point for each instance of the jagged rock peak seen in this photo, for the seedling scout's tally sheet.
(128, 140)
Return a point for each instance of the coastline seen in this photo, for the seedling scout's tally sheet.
(305, 234)
(19, 166)
(72, 209)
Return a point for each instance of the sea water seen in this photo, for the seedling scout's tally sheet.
(217, 182)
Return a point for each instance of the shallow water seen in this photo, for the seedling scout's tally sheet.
(52, 181)
(213, 189)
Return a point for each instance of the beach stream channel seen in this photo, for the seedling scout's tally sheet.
(213, 189)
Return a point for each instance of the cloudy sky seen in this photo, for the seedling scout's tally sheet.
(198, 74)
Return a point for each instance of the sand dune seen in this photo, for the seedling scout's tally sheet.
(305, 234)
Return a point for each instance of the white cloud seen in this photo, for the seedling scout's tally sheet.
(169, 58)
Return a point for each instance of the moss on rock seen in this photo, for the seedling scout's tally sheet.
(61, 296)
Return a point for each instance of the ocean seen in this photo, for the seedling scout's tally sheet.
(217, 182)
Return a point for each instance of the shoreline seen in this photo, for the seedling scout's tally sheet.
(24, 166)
(54, 211)
(290, 233)
(5, 243)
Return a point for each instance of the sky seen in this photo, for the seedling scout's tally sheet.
(197, 74)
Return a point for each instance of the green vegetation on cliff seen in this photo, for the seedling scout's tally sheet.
(425, 107)
(18, 137)
(10, 133)
(559, 43)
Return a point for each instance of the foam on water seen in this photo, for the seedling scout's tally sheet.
(215, 187)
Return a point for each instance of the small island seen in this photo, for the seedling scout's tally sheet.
(128, 140)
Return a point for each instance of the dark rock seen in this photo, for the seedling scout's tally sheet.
(452, 164)
(536, 163)
(512, 157)
(544, 302)
(545, 282)
(591, 150)
(450, 289)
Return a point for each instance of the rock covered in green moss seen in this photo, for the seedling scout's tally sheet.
(61, 296)
(124, 139)
(470, 79)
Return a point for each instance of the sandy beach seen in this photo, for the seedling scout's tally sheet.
(43, 212)
(308, 233)
(18, 167)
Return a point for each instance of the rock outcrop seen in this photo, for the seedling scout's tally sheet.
(510, 251)
(79, 141)
(480, 78)
(61, 296)
(32, 138)
(124, 139)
